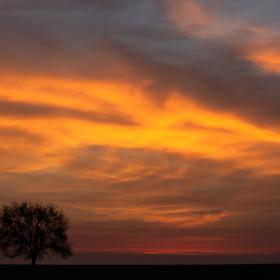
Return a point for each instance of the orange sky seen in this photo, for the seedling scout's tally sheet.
(157, 133)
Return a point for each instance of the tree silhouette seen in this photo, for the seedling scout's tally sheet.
(33, 231)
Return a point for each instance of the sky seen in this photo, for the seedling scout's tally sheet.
(153, 124)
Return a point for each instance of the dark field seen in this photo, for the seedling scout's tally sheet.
(95, 272)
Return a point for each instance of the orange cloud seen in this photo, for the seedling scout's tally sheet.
(108, 153)
(267, 58)
(78, 113)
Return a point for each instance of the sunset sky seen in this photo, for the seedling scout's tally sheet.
(154, 124)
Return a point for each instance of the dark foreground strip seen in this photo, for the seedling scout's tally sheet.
(80, 272)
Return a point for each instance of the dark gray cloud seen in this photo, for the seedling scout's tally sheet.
(15, 133)
(17, 5)
(142, 44)
(15, 109)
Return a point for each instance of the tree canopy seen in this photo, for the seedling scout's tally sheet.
(33, 231)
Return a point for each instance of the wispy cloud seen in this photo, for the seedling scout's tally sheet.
(141, 119)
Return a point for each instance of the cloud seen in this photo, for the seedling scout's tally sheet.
(201, 21)
(145, 118)
(265, 57)
(15, 109)
(203, 205)
(17, 5)
(140, 46)
(14, 133)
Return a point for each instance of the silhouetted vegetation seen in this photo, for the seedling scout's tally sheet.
(33, 231)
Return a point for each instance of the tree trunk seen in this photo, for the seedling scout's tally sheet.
(33, 261)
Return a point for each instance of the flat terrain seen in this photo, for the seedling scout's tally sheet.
(172, 271)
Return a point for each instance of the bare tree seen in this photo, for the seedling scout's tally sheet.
(33, 231)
